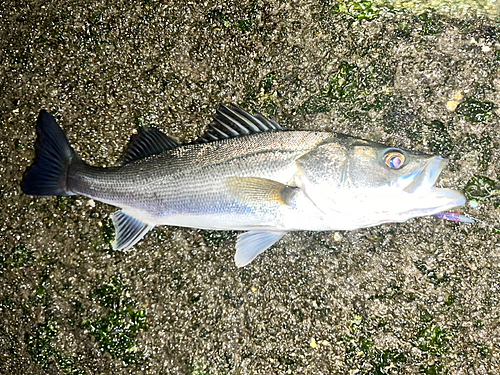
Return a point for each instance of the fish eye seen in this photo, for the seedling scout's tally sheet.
(394, 159)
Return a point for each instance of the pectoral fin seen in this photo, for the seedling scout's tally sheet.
(250, 244)
(259, 190)
(128, 231)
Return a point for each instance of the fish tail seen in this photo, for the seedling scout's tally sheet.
(53, 154)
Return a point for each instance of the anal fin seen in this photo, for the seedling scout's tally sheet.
(128, 230)
(250, 244)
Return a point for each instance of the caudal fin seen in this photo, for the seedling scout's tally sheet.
(53, 154)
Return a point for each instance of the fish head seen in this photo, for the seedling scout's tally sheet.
(368, 183)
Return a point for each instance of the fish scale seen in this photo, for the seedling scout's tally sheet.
(189, 180)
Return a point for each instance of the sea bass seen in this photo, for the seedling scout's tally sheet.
(246, 173)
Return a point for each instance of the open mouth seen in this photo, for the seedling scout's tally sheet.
(427, 177)
(433, 200)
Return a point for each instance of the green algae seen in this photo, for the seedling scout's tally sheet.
(439, 139)
(263, 94)
(483, 146)
(108, 233)
(431, 25)
(197, 369)
(433, 341)
(350, 85)
(116, 329)
(431, 274)
(18, 257)
(218, 16)
(475, 111)
(356, 10)
(359, 343)
(40, 344)
(481, 187)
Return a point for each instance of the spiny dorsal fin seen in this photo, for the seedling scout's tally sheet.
(233, 122)
(148, 141)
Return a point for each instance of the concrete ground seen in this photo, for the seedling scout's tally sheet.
(417, 297)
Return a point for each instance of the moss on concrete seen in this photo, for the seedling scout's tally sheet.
(401, 298)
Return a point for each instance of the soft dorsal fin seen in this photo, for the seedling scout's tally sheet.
(148, 141)
(233, 122)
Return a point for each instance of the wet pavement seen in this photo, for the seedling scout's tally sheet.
(417, 297)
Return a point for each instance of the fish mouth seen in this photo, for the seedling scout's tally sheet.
(432, 199)
(427, 176)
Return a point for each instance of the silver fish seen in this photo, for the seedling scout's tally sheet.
(245, 173)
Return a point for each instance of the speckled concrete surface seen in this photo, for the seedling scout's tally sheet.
(418, 297)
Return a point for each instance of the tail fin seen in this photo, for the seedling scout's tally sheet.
(53, 154)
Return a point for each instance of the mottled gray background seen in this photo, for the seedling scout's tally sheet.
(418, 297)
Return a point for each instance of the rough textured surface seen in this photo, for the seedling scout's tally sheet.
(422, 296)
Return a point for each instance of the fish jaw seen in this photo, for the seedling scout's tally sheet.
(367, 209)
(434, 201)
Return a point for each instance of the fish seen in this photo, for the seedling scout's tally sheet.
(245, 173)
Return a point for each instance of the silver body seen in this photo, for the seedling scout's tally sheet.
(335, 189)
(186, 186)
